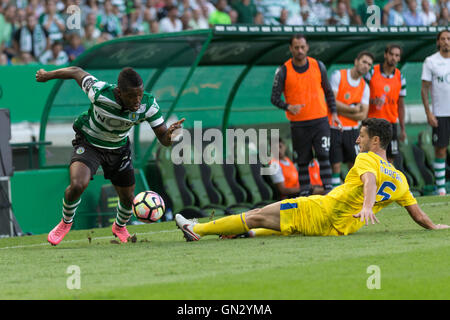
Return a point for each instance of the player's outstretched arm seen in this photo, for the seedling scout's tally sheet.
(422, 219)
(75, 73)
(370, 192)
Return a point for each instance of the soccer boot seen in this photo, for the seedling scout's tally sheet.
(120, 232)
(58, 233)
(187, 226)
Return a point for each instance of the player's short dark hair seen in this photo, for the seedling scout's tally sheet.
(297, 36)
(439, 37)
(391, 46)
(380, 128)
(365, 53)
(128, 78)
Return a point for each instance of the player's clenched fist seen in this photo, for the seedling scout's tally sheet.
(41, 75)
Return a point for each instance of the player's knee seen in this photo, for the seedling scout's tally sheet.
(254, 219)
(127, 200)
(77, 186)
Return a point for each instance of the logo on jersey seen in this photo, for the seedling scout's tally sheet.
(387, 88)
(347, 96)
(80, 150)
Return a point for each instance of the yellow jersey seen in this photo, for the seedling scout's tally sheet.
(349, 197)
(333, 214)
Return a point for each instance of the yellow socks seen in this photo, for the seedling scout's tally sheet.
(261, 232)
(234, 224)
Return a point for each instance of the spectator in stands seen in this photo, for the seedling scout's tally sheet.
(91, 20)
(75, 47)
(135, 23)
(220, 15)
(188, 5)
(233, 16)
(246, 10)
(308, 16)
(89, 7)
(198, 20)
(52, 21)
(340, 17)
(150, 10)
(7, 20)
(55, 55)
(163, 11)
(259, 18)
(444, 18)
(21, 19)
(322, 10)
(295, 17)
(171, 23)
(108, 21)
(411, 16)
(271, 10)
(393, 13)
(428, 16)
(35, 7)
(90, 36)
(284, 17)
(31, 39)
(186, 17)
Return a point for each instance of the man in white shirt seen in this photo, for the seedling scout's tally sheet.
(436, 78)
(428, 16)
(55, 55)
(171, 23)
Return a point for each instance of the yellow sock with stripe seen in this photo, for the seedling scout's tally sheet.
(234, 224)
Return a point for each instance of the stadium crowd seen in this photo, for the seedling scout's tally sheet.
(57, 31)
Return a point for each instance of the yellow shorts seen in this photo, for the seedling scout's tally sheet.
(309, 216)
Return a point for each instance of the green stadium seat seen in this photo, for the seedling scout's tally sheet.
(223, 176)
(249, 176)
(200, 183)
(414, 162)
(176, 190)
(425, 143)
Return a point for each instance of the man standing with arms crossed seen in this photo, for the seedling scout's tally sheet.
(352, 101)
(436, 77)
(308, 95)
(387, 92)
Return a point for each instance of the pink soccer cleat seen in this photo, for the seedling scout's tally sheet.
(120, 232)
(58, 233)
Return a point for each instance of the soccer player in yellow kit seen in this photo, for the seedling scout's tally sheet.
(372, 184)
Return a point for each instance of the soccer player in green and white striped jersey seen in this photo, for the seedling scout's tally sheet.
(101, 138)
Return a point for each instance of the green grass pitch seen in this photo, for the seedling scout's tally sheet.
(413, 263)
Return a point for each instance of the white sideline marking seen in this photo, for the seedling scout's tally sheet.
(84, 240)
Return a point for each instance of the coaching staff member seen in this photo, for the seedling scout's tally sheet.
(308, 96)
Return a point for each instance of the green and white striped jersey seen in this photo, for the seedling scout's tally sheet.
(105, 124)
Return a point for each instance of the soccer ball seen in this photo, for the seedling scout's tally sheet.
(148, 206)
